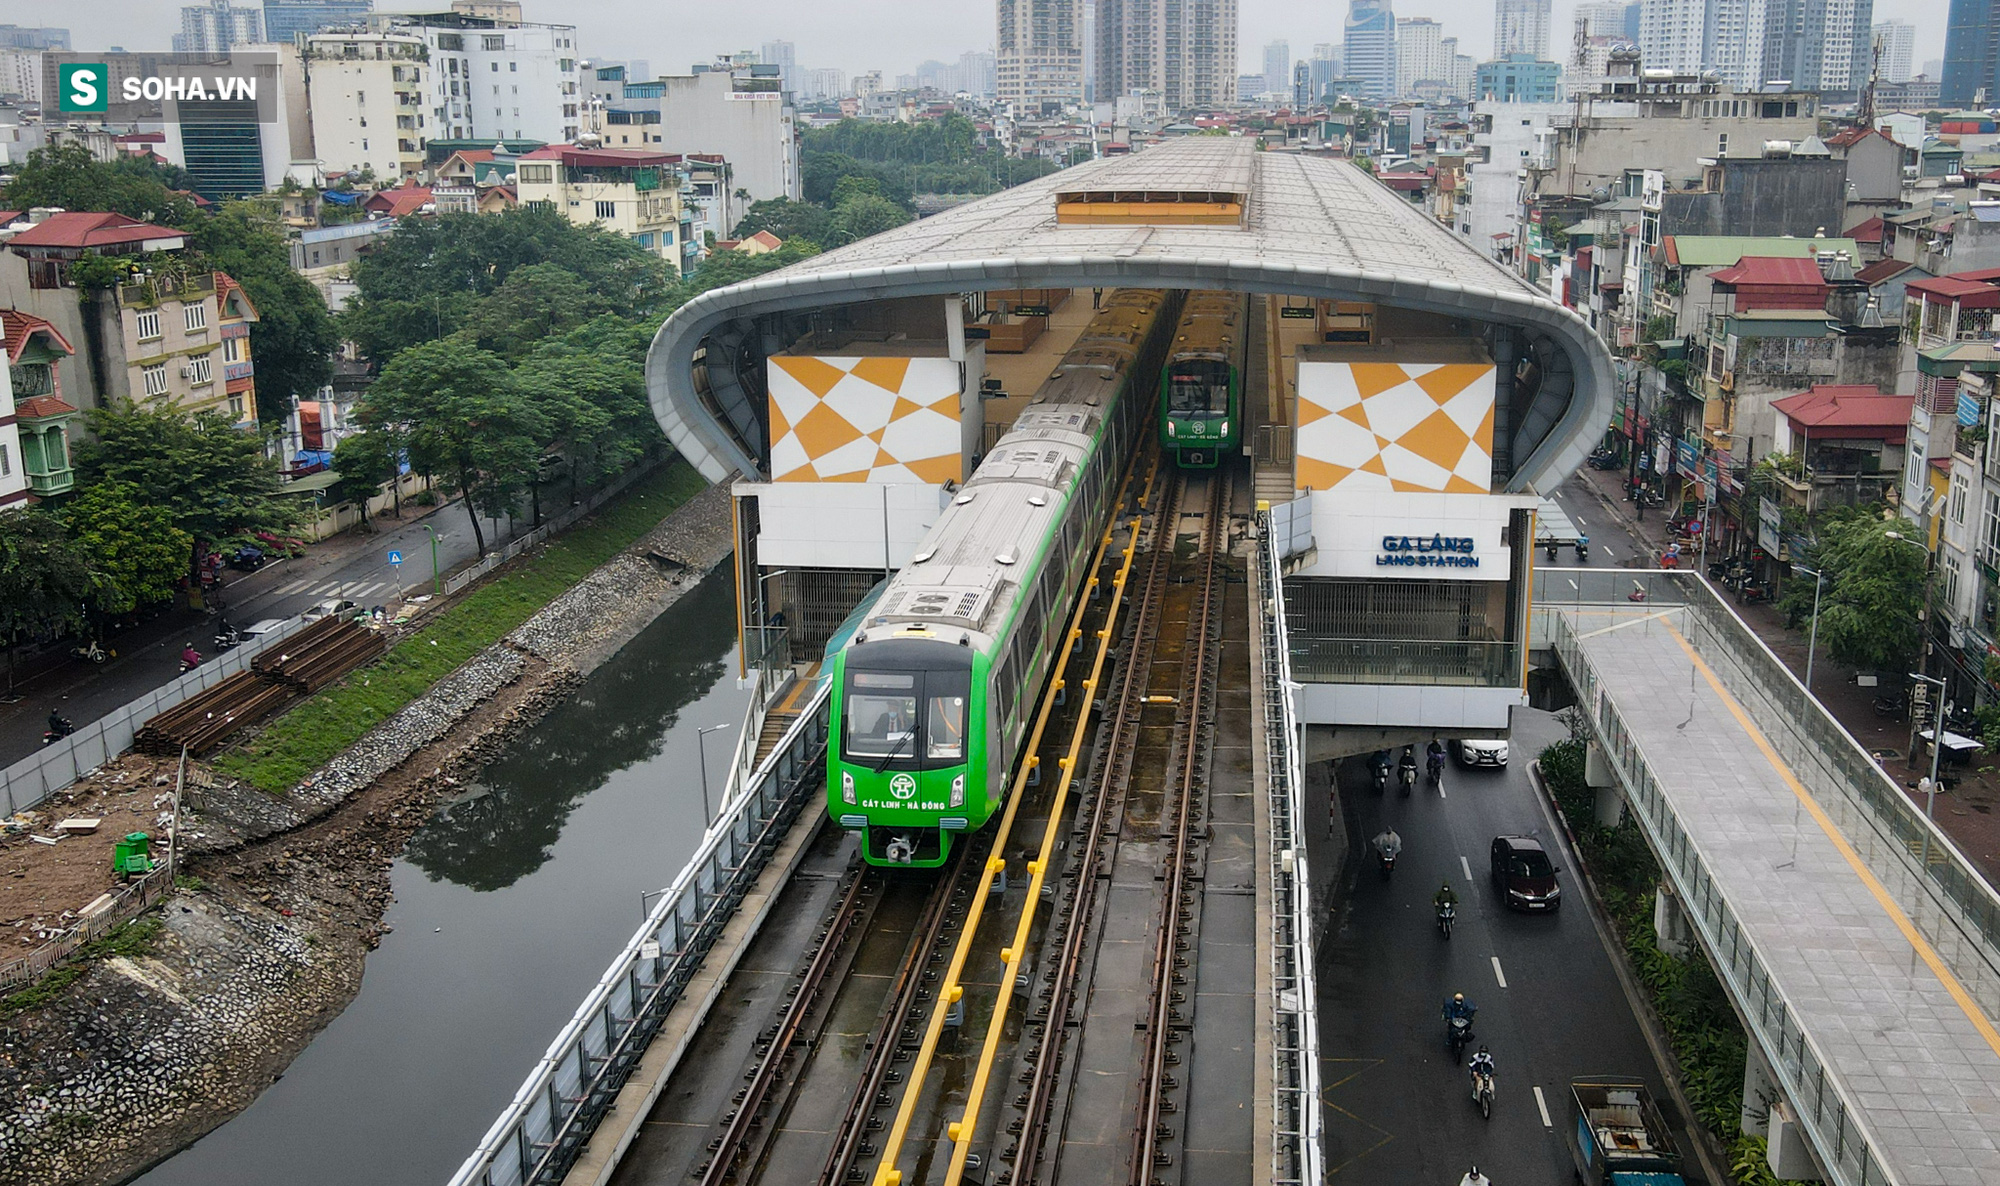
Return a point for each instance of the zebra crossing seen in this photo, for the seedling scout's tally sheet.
(353, 590)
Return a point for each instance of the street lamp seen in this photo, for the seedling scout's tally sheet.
(1812, 640)
(1923, 649)
(701, 744)
(436, 585)
(1937, 748)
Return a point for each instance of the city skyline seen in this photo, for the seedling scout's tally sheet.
(840, 36)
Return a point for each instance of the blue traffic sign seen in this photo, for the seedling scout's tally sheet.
(395, 557)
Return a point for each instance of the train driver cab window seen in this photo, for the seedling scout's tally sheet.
(944, 723)
(1198, 387)
(881, 714)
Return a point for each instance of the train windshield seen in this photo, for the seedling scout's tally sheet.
(885, 725)
(1198, 387)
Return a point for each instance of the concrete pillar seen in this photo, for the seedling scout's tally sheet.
(1670, 923)
(1760, 1092)
(1608, 802)
(1788, 1154)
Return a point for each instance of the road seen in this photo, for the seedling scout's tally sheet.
(352, 567)
(1399, 1110)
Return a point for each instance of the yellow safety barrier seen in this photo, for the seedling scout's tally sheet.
(886, 1173)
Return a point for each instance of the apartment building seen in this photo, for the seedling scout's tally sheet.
(1041, 51)
(1521, 27)
(1420, 53)
(1184, 49)
(187, 343)
(370, 92)
(740, 114)
(44, 422)
(634, 192)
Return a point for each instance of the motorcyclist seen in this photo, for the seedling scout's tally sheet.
(1434, 758)
(1407, 765)
(59, 724)
(189, 656)
(1474, 1178)
(1458, 1007)
(1481, 1064)
(1446, 896)
(1379, 764)
(1388, 844)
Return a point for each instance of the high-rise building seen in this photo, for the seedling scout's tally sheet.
(1090, 51)
(1518, 78)
(1674, 35)
(1183, 49)
(213, 27)
(1899, 43)
(1971, 55)
(1420, 53)
(1040, 58)
(784, 56)
(979, 71)
(1326, 66)
(19, 37)
(1277, 65)
(1521, 27)
(1611, 18)
(285, 20)
(1371, 47)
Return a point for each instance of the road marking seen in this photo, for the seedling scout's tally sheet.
(1465, 865)
(370, 589)
(291, 587)
(1497, 973)
(1543, 1104)
(1442, 795)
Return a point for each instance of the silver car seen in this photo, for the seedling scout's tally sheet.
(1475, 753)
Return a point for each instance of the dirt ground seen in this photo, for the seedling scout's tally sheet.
(42, 886)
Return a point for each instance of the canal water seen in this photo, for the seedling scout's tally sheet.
(508, 906)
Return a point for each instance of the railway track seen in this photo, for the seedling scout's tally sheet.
(1148, 776)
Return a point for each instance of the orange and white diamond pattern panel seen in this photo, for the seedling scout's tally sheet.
(1368, 427)
(847, 419)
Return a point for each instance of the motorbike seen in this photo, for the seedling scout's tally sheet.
(63, 729)
(1381, 776)
(1408, 777)
(90, 651)
(1753, 593)
(1583, 551)
(1555, 549)
(190, 659)
(1434, 769)
(1892, 705)
(1605, 459)
(1446, 913)
(1650, 498)
(227, 636)
(1482, 1093)
(1457, 1032)
(1386, 852)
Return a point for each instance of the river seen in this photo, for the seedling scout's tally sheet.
(508, 906)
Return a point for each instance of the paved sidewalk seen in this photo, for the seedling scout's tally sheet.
(1914, 1055)
(1965, 811)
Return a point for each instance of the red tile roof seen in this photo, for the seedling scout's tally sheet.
(570, 154)
(1973, 290)
(226, 284)
(1868, 232)
(1770, 269)
(77, 229)
(1883, 269)
(399, 202)
(36, 407)
(1855, 409)
(18, 327)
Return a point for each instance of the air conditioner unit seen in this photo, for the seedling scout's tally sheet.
(1729, 380)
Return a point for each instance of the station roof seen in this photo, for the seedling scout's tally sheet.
(1308, 226)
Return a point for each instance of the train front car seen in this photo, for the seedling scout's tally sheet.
(1201, 397)
(909, 742)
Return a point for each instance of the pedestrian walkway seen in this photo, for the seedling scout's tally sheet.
(1873, 998)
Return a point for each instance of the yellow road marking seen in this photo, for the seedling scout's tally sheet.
(1922, 946)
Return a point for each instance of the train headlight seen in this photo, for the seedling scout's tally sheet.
(958, 791)
(847, 788)
(1225, 428)
(1171, 430)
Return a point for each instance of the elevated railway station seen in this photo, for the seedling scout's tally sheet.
(1081, 531)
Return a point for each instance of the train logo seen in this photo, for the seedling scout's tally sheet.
(903, 786)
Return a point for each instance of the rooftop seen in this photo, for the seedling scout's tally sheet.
(1859, 407)
(101, 232)
(18, 329)
(1796, 271)
(1715, 251)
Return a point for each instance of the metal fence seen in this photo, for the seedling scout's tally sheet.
(1297, 1153)
(558, 1107)
(549, 527)
(34, 778)
(1433, 662)
(1826, 1115)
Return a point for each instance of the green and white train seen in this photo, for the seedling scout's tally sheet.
(933, 697)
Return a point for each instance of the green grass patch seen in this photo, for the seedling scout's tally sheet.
(131, 938)
(304, 739)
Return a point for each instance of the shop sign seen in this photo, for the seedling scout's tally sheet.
(1770, 525)
(1439, 551)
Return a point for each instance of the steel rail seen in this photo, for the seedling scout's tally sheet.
(886, 1172)
(1155, 1081)
(746, 1123)
(1119, 748)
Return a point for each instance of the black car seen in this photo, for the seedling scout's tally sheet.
(1524, 875)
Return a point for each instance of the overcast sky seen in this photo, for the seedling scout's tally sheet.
(856, 35)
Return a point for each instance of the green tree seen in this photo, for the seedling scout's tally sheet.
(67, 175)
(213, 481)
(134, 549)
(362, 462)
(593, 404)
(464, 419)
(535, 303)
(293, 338)
(789, 220)
(1868, 616)
(43, 580)
(862, 216)
(734, 267)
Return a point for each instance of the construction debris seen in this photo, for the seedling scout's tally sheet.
(310, 660)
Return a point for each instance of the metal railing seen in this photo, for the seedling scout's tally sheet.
(1829, 1119)
(54, 767)
(549, 527)
(558, 1107)
(1431, 662)
(1297, 1149)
